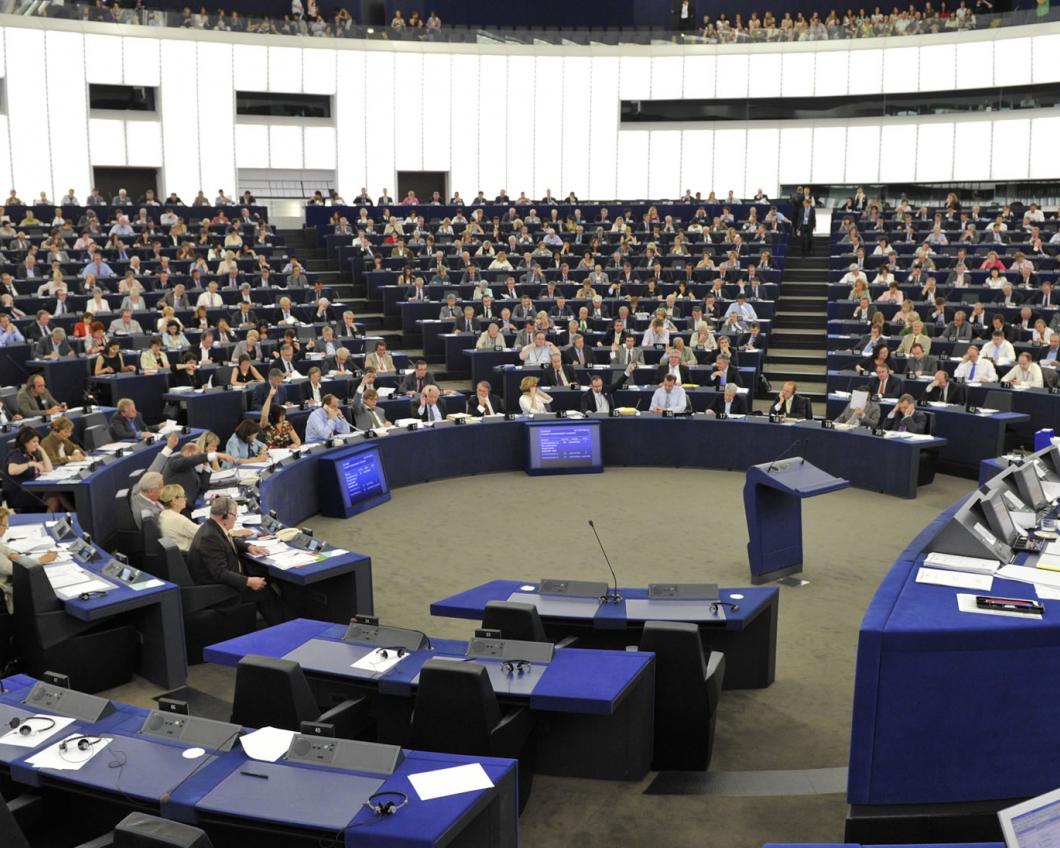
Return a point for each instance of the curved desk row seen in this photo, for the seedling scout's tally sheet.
(80, 419)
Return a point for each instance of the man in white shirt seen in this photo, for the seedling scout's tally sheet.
(210, 298)
(975, 369)
(853, 275)
(1025, 373)
(669, 397)
(539, 352)
(326, 421)
(428, 409)
(999, 350)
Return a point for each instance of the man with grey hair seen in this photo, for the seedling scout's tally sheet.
(213, 557)
(146, 499)
(54, 346)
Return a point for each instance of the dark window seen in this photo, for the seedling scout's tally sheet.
(265, 105)
(845, 106)
(125, 98)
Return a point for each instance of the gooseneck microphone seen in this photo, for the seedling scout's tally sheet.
(613, 598)
(786, 450)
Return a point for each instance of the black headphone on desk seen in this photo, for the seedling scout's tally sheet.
(82, 743)
(511, 667)
(715, 606)
(384, 653)
(24, 727)
(386, 808)
(88, 596)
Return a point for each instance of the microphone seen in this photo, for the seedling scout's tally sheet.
(777, 458)
(615, 598)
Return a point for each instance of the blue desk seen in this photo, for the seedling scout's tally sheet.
(155, 612)
(303, 804)
(67, 378)
(217, 410)
(75, 414)
(748, 636)
(597, 705)
(145, 390)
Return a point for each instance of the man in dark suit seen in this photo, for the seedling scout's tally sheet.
(484, 401)
(214, 558)
(805, 224)
(601, 397)
(943, 389)
(127, 423)
(730, 402)
(885, 384)
(183, 469)
(578, 354)
(414, 383)
(790, 403)
(558, 372)
(672, 365)
(724, 374)
(905, 417)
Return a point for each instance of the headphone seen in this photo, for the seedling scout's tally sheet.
(715, 606)
(83, 743)
(384, 653)
(24, 728)
(386, 808)
(88, 596)
(511, 667)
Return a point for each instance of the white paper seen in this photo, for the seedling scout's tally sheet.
(451, 781)
(956, 579)
(222, 476)
(1023, 574)
(858, 399)
(1047, 593)
(292, 559)
(168, 426)
(374, 660)
(32, 543)
(955, 562)
(38, 736)
(114, 447)
(71, 759)
(966, 603)
(24, 531)
(146, 584)
(70, 592)
(267, 744)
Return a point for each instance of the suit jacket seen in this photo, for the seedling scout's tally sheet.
(549, 378)
(214, 558)
(588, 402)
(955, 393)
(570, 355)
(496, 404)
(916, 423)
(801, 407)
(44, 347)
(120, 428)
(892, 390)
(732, 376)
(926, 364)
(371, 360)
(182, 471)
(737, 407)
(361, 417)
(139, 504)
(664, 369)
(953, 333)
(465, 325)
(28, 406)
(871, 417)
(239, 318)
(797, 219)
(409, 381)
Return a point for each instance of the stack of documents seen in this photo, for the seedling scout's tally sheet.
(68, 580)
(292, 559)
(960, 572)
(1049, 558)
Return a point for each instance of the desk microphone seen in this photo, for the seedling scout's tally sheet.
(615, 598)
(772, 465)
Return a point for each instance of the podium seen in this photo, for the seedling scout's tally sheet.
(772, 499)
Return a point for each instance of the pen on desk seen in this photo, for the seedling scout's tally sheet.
(255, 774)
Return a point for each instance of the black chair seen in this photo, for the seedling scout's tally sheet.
(93, 419)
(1001, 401)
(11, 834)
(514, 621)
(457, 712)
(7, 638)
(95, 655)
(151, 535)
(212, 612)
(274, 692)
(128, 539)
(145, 831)
(687, 691)
(96, 436)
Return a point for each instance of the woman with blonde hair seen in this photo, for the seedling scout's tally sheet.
(533, 399)
(172, 523)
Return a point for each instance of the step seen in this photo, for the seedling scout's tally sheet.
(803, 303)
(808, 357)
(794, 372)
(796, 338)
(805, 321)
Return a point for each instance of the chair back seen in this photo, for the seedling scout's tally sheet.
(93, 419)
(171, 564)
(1001, 401)
(515, 621)
(272, 692)
(152, 535)
(456, 709)
(123, 511)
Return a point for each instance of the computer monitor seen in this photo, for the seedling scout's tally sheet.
(995, 510)
(351, 481)
(1029, 485)
(1032, 824)
(967, 534)
(564, 447)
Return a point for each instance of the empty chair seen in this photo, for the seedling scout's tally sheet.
(1001, 401)
(152, 554)
(274, 692)
(687, 691)
(457, 712)
(146, 831)
(96, 436)
(95, 655)
(128, 539)
(93, 419)
(213, 612)
(514, 621)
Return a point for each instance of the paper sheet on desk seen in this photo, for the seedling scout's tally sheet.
(72, 760)
(451, 781)
(39, 735)
(267, 744)
(69, 592)
(168, 426)
(1046, 593)
(114, 447)
(956, 579)
(146, 584)
(375, 662)
(292, 559)
(31, 543)
(222, 476)
(24, 531)
(966, 603)
(63, 472)
(1030, 575)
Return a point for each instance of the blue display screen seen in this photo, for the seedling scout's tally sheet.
(362, 480)
(564, 447)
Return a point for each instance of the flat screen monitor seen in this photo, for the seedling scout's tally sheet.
(997, 517)
(1034, 823)
(361, 480)
(563, 447)
(1029, 485)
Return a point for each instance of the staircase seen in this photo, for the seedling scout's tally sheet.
(798, 343)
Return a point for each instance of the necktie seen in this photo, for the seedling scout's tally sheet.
(488, 408)
(971, 374)
(902, 425)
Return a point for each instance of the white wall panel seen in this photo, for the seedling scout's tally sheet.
(408, 122)
(831, 71)
(251, 67)
(971, 150)
(463, 173)
(285, 69)
(143, 144)
(866, 71)
(763, 150)
(664, 164)
(603, 128)
(700, 74)
(141, 61)
(1012, 61)
(548, 111)
(733, 70)
(437, 72)
(934, 152)
(633, 164)
(217, 115)
(901, 68)
(898, 153)
(730, 152)
(493, 126)
(27, 111)
(863, 154)
(180, 121)
(697, 161)
(975, 64)
(1044, 163)
(106, 141)
(68, 112)
(319, 148)
(351, 126)
(105, 50)
(797, 74)
(1046, 67)
(796, 149)
(635, 77)
(829, 154)
(938, 67)
(1011, 150)
(667, 77)
(252, 148)
(286, 147)
(577, 108)
(522, 125)
(379, 118)
(764, 75)
(318, 71)
(5, 154)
